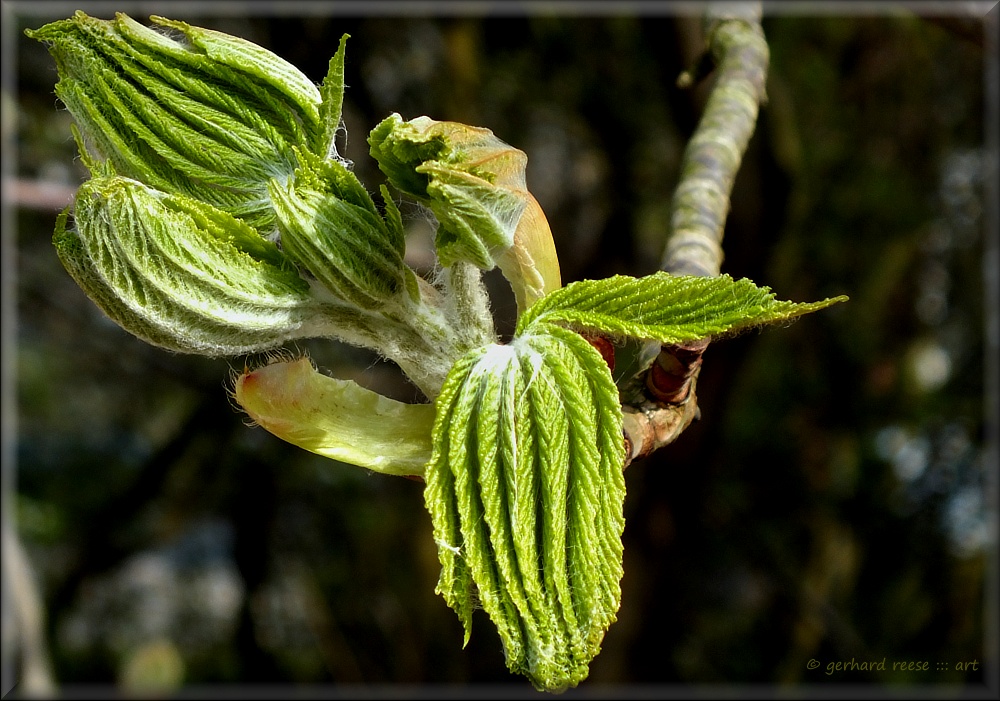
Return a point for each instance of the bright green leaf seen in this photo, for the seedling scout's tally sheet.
(208, 116)
(665, 308)
(474, 183)
(330, 226)
(332, 92)
(526, 492)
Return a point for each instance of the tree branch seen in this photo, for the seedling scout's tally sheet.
(651, 425)
(736, 45)
(713, 155)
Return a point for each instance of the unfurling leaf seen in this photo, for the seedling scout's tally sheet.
(330, 226)
(665, 308)
(332, 91)
(474, 183)
(211, 116)
(337, 419)
(181, 274)
(526, 493)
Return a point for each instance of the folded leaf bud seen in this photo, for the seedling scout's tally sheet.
(331, 227)
(208, 115)
(474, 183)
(526, 491)
(181, 274)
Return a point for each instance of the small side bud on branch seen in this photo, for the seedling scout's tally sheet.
(738, 52)
(670, 379)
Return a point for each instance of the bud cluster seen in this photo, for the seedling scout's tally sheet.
(220, 218)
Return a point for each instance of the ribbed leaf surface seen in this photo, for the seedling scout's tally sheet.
(526, 491)
(211, 116)
(474, 183)
(181, 274)
(666, 308)
(330, 226)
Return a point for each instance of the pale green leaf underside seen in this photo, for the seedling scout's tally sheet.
(526, 493)
(665, 308)
(181, 274)
(337, 419)
(475, 185)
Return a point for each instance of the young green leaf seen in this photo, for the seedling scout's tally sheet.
(211, 116)
(665, 308)
(474, 184)
(330, 226)
(183, 275)
(337, 419)
(526, 492)
(332, 92)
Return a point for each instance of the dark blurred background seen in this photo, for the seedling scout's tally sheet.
(833, 502)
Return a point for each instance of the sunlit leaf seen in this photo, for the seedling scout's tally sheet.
(526, 493)
(666, 308)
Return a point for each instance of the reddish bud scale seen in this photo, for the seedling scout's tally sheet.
(669, 379)
(604, 347)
